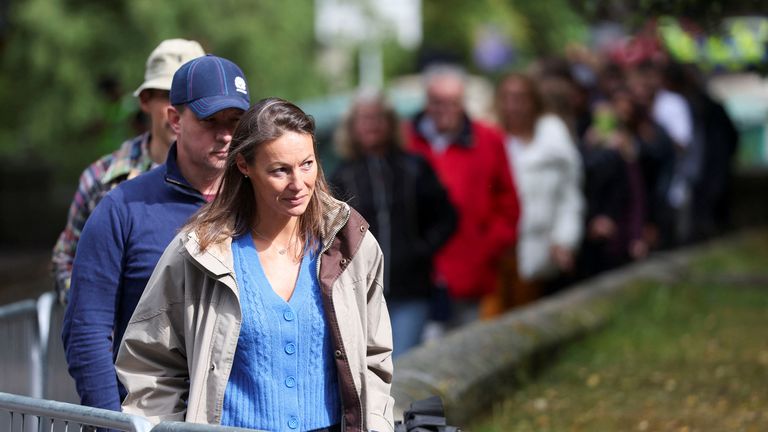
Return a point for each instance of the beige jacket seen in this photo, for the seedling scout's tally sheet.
(179, 346)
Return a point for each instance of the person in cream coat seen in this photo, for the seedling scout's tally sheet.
(548, 172)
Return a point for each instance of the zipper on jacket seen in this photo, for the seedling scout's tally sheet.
(185, 189)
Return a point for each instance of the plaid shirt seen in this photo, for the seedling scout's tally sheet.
(130, 160)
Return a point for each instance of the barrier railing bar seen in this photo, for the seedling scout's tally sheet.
(73, 413)
(45, 305)
(18, 308)
(169, 426)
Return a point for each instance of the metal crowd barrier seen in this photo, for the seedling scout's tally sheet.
(21, 357)
(26, 414)
(36, 392)
(34, 363)
(192, 427)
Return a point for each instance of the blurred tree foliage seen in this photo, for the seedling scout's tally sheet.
(56, 52)
(535, 28)
(634, 13)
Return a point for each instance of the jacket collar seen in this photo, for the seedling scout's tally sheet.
(464, 138)
(335, 216)
(218, 259)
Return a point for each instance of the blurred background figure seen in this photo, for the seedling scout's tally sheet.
(469, 159)
(655, 154)
(660, 93)
(614, 194)
(561, 94)
(717, 139)
(400, 196)
(548, 175)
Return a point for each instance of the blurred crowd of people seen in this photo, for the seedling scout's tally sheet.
(588, 165)
(584, 165)
(187, 260)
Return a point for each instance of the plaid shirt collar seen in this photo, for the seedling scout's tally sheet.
(130, 160)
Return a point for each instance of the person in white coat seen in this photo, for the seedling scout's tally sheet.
(548, 172)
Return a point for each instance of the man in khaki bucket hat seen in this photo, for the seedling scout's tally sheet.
(165, 60)
(134, 156)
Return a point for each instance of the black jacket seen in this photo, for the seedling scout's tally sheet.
(409, 212)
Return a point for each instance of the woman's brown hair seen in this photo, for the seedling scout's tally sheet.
(234, 210)
(534, 95)
(346, 144)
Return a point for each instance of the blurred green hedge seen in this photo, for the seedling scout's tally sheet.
(57, 53)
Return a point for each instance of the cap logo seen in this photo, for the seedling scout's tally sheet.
(240, 85)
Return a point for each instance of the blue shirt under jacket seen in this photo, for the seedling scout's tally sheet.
(120, 245)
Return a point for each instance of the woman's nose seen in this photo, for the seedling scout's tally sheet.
(296, 181)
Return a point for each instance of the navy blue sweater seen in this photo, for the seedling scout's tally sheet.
(119, 247)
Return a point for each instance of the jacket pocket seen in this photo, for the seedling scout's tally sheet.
(380, 418)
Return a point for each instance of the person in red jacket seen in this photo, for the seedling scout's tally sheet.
(469, 159)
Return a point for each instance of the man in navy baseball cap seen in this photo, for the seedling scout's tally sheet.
(208, 96)
(131, 227)
(209, 84)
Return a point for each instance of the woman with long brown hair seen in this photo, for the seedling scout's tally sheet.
(267, 310)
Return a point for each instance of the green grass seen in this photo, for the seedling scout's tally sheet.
(689, 356)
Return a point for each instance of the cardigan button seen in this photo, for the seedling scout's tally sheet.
(337, 354)
(344, 261)
(293, 422)
(290, 382)
(362, 228)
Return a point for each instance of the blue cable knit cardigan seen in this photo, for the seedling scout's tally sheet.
(283, 376)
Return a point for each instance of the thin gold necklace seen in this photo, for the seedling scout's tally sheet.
(282, 251)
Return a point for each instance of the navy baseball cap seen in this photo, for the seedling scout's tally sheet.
(208, 85)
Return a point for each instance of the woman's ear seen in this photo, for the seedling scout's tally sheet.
(241, 164)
